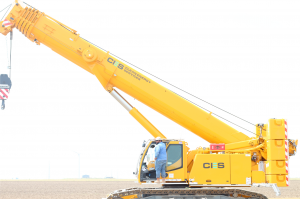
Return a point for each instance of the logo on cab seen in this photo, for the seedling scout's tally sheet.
(213, 165)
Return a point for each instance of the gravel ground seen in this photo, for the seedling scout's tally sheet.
(97, 189)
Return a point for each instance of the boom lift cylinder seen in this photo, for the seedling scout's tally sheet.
(137, 115)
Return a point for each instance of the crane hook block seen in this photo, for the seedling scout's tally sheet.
(5, 85)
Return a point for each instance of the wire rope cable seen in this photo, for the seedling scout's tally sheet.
(213, 113)
(167, 83)
(7, 50)
(6, 10)
(5, 7)
(184, 92)
(29, 5)
(11, 37)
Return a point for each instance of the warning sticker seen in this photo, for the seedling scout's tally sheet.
(248, 180)
(6, 23)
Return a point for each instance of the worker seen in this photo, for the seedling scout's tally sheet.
(160, 160)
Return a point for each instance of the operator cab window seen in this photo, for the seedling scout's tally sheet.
(148, 164)
(174, 156)
(150, 156)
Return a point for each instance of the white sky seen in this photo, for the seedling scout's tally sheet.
(242, 56)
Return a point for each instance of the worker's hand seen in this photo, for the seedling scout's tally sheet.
(155, 158)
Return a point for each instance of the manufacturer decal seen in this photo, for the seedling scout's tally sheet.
(115, 63)
(213, 165)
(128, 70)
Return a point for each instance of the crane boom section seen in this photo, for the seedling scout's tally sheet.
(111, 72)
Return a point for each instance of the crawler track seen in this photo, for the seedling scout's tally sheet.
(186, 193)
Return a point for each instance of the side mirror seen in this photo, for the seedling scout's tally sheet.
(152, 146)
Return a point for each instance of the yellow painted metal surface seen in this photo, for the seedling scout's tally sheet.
(146, 124)
(280, 180)
(293, 147)
(276, 149)
(275, 167)
(276, 129)
(258, 177)
(240, 168)
(190, 159)
(242, 145)
(111, 72)
(130, 196)
(176, 175)
(211, 169)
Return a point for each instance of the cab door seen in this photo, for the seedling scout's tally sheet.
(176, 161)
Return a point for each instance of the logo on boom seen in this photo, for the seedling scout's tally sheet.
(213, 165)
(115, 63)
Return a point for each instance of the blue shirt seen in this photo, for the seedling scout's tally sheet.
(160, 151)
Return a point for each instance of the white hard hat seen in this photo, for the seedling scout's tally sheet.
(158, 138)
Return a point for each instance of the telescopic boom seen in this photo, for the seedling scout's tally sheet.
(112, 73)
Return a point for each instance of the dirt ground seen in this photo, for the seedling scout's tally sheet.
(97, 189)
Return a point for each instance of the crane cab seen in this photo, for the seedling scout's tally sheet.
(176, 169)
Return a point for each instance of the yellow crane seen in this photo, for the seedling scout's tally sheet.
(232, 160)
